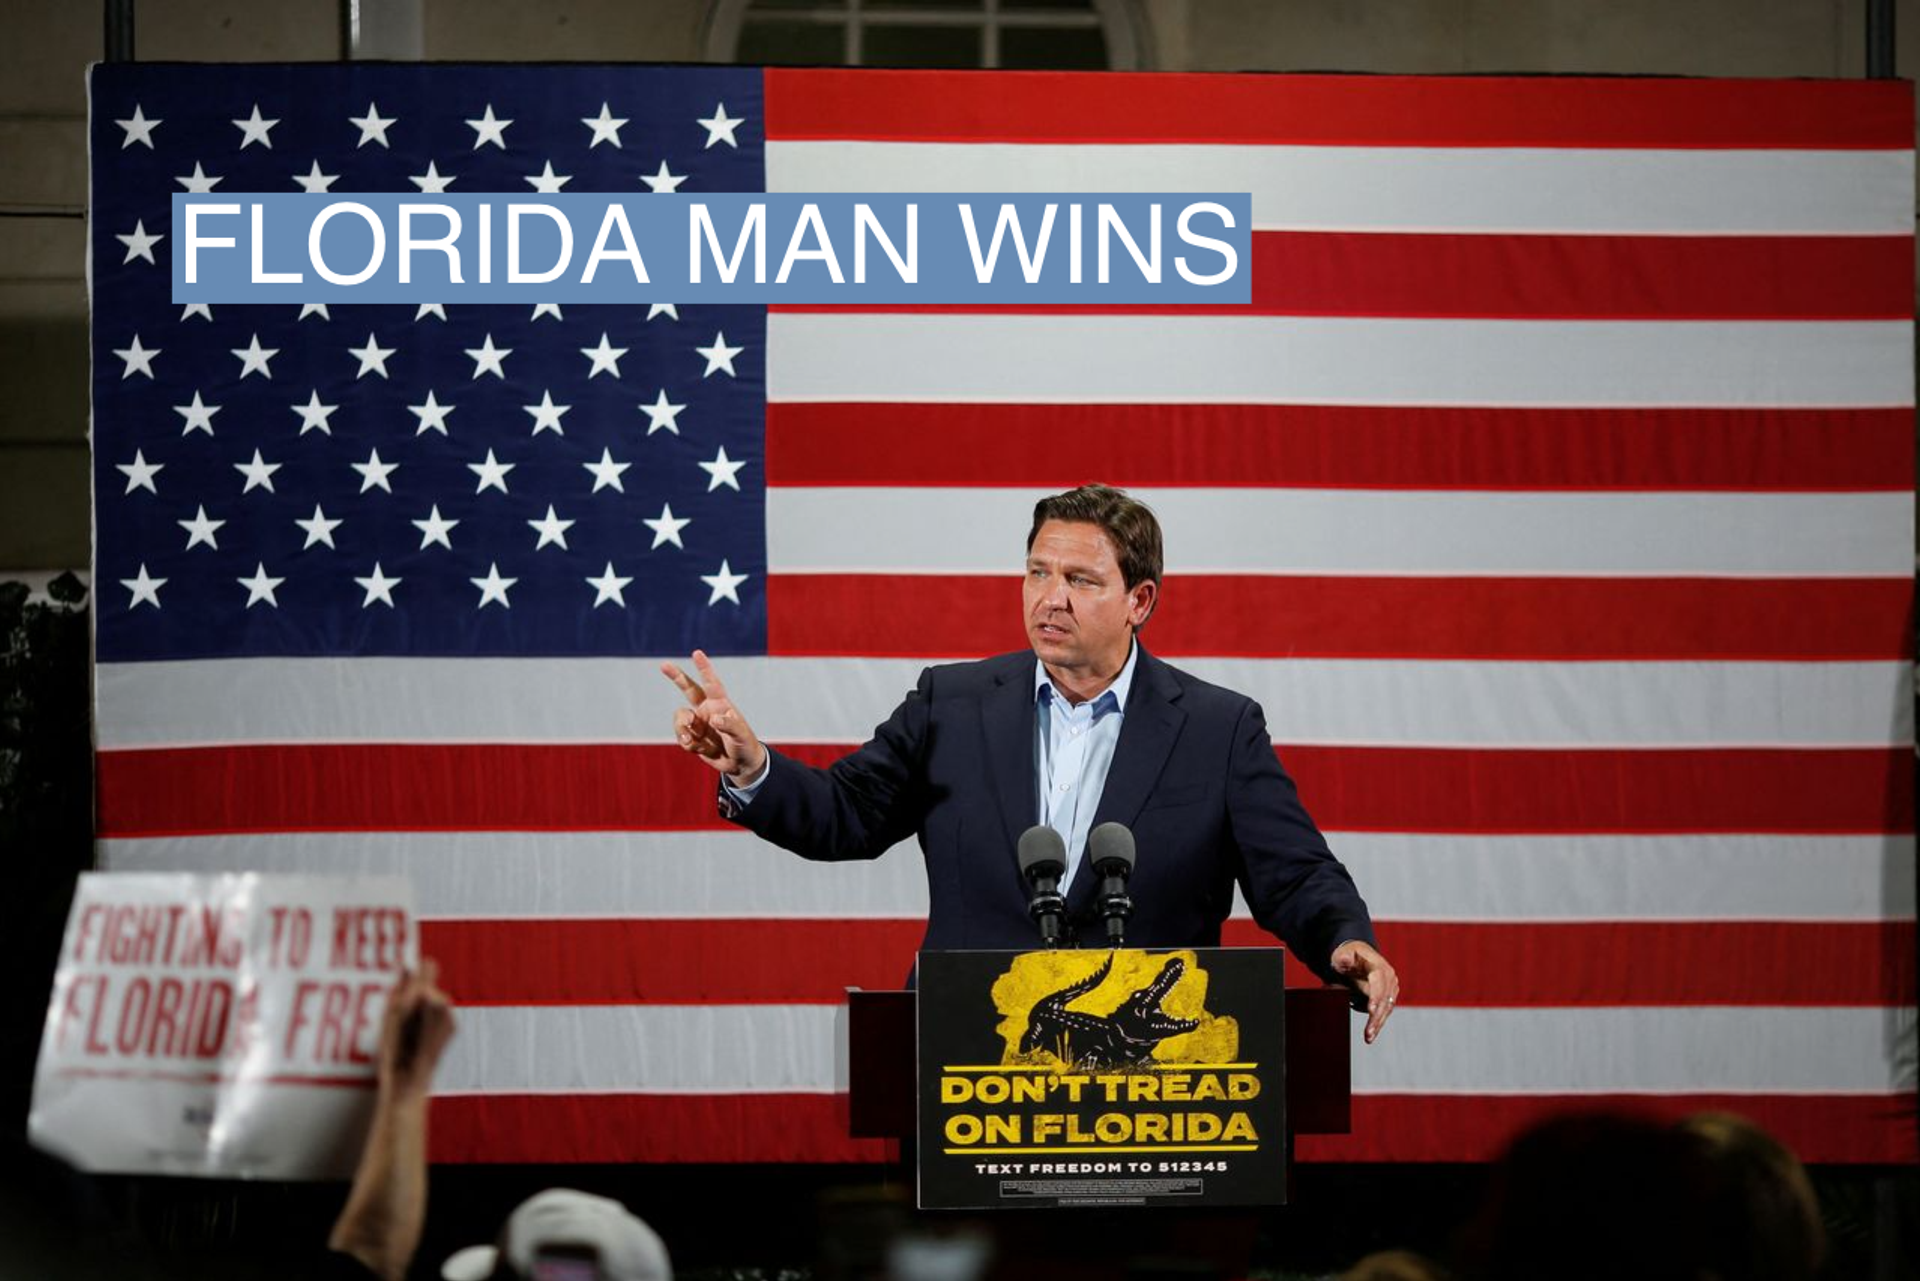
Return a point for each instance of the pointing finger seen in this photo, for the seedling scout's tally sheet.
(714, 684)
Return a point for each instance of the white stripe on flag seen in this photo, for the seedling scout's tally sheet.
(838, 700)
(1343, 531)
(1628, 1049)
(1412, 877)
(1338, 360)
(1476, 189)
(705, 1049)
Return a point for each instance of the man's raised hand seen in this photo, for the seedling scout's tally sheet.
(711, 727)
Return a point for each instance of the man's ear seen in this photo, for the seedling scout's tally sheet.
(1143, 596)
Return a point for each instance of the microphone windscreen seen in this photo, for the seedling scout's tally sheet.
(1042, 850)
(1110, 843)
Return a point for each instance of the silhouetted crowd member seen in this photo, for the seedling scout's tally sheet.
(1598, 1197)
(1768, 1221)
(1606, 1195)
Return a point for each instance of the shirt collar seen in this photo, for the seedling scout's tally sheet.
(1122, 684)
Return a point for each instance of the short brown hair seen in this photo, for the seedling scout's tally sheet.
(1129, 522)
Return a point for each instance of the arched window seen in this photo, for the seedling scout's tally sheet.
(1064, 35)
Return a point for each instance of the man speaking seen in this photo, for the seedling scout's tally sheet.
(1087, 728)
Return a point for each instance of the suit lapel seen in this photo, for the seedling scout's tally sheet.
(1147, 735)
(1007, 719)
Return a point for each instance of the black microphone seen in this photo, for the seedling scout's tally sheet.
(1043, 861)
(1110, 851)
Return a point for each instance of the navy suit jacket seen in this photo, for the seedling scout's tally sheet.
(1194, 775)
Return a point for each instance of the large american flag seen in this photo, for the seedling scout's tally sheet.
(1554, 496)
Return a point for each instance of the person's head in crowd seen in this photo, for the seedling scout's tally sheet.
(1596, 1196)
(1395, 1265)
(1769, 1225)
(563, 1235)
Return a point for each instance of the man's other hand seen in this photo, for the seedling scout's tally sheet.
(711, 727)
(1371, 973)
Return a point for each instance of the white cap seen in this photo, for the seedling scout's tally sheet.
(628, 1249)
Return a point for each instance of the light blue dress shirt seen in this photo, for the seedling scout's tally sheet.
(1073, 749)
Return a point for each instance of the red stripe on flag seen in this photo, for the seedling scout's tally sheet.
(1340, 446)
(1548, 277)
(1307, 616)
(602, 787)
(717, 1128)
(603, 961)
(1854, 1128)
(1405, 111)
(1418, 789)
(1615, 963)
(754, 1128)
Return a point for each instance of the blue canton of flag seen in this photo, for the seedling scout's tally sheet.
(430, 480)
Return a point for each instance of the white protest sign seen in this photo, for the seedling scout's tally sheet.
(224, 1026)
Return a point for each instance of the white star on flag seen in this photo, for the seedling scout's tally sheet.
(200, 529)
(551, 529)
(720, 126)
(372, 127)
(493, 587)
(664, 180)
(489, 359)
(137, 358)
(314, 415)
(200, 309)
(667, 528)
(429, 309)
(314, 182)
(319, 528)
(492, 474)
(374, 473)
(489, 129)
(434, 529)
(372, 357)
(260, 587)
(546, 309)
(662, 414)
(254, 129)
(606, 127)
(140, 473)
(199, 180)
(139, 244)
(140, 129)
(605, 357)
(722, 471)
(606, 472)
(432, 415)
(725, 584)
(547, 180)
(259, 473)
(666, 309)
(719, 356)
(378, 587)
(609, 587)
(432, 180)
(198, 415)
(314, 309)
(253, 358)
(546, 414)
(144, 588)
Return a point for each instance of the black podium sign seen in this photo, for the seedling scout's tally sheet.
(1089, 1078)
